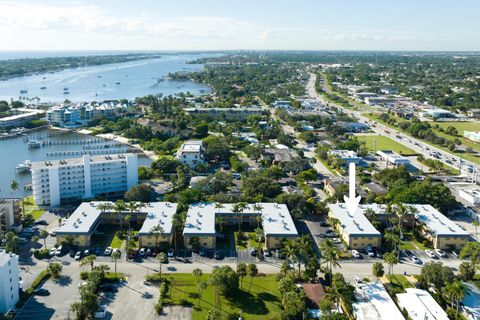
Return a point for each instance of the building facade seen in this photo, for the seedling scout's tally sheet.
(191, 153)
(58, 181)
(9, 281)
(10, 214)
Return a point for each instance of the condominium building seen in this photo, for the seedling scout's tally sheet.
(9, 281)
(22, 118)
(274, 218)
(58, 181)
(82, 113)
(10, 214)
(155, 217)
(63, 116)
(191, 153)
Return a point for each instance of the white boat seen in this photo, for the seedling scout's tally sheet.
(24, 167)
(32, 144)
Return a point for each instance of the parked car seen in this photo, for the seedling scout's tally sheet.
(40, 223)
(58, 252)
(141, 253)
(267, 253)
(202, 253)
(98, 251)
(441, 253)
(430, 253)
(217, 254)
(117, 251)
(356, 254)
(72, 252)
(52, 251)
(253, 252)
(53, 232)
(415, 260)
(370, 252)
(149, 252)
(78, 255)
(86, 252)
(108, 251)
(41, 292)
(133, 254)
(171, 252)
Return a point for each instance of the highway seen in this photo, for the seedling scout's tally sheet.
(427, 150)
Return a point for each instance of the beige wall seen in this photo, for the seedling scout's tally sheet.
(449, 242)
(361, 242)
(206, 242)
(149, 240)
(78, 240)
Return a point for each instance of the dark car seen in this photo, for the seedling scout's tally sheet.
(72, 252)
(253, 252)
(217, 255)
(133, 254)
(324, 224)
(40, 223)
(108, 288)
(41, 292)
(98, 251)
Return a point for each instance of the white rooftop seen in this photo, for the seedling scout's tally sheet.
(356, 224)
(80, 161)
(192, 146)
(276, 219)
(158, 214)
(437, 223)
(374, 303)
(82, 219)
(420, 305)
(343, 153)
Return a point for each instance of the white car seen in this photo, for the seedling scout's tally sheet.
(108, 251)
(58, 251)
(430, 253)
(170, 253)
(415, 260)
(356, 254)
(53, 232)
(142, 252)
(441, 253)
(78, 255)
(52, 251)
(370, 252)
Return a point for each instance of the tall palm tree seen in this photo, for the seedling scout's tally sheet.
(14, 186)
(218, 206)
(161, 257)
(219, 221)
(329, 255)
(238, 208)
(120, 207)
(390, 259)
(105, 207)
(291, 251)
(455, 291)
(115, 257)
(252, 271)
(476, 224)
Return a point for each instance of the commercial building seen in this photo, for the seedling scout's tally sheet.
(10, 214)
(58, 181)
(225, 113)
(472, 196)
(191, 153)
(9, 281)
(393, 157)
(420, 305)
(374, 302)
(275, 219)
(436, 113)
(85, 220)
(347, 156)
(355, 229)
(21, 119)
(472, 135)
(360, 96)
(443, 232)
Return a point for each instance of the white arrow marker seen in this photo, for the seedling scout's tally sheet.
(351, 202)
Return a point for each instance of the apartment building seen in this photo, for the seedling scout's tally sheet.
(274, 218)
(10, 214)
(191, 153)
(85, 220)
(9, 281)
(58, 181)
(20, 119)
(82, 113)
(63, 116)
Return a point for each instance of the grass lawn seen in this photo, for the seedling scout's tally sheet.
(410, 243)
(32, 208)
(460, 126)
(249, 241)
(333, 171)
(116, 242)
(384, 143)
(400, 280)
(262, 300)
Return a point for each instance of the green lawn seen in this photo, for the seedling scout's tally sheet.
(116, 242)
(460, 126)
(32, 208)
(384, 143)
(400, 280)
(249, 241)
(261, 301)
(410, 243)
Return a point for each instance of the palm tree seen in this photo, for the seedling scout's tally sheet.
(161, 257)
(197, 273)
(238, 210)
(257, 207)
(120, 207)
(455, 291)
(156, 231)
(401, 212)
(88, 260)
(370, 214)
(218, 206)
(241, 272)
(391, 259)
(476, 224)
(115, 257)
(219, 222)
(291, 251)
(14, 186)
(104, 207)
(44, 235)
(252, 271)
(329, 255)
(303, 245)
(128, 219)
(202, 285)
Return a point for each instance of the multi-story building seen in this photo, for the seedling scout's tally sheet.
(472, 196)
(20, 119)
(191, 153)
(355, 229)
(82, 113)
(9, 281)
(155, 217)
(10, 214)
(274, 218)
(58, 181)
(64, 116)
(472, 135)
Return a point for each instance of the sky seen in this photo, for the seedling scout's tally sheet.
(140, 25)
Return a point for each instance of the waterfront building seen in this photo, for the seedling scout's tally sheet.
(274, 218)
(58, 181)
(155, 217)
(63, 116)
(191, 153)
(71, 116)
(10, 214)
(9, 281)
(374, 302)
(22, 118)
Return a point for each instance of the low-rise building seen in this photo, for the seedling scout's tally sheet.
(191, 153)
(347, 156)
(360, 96)
(473, 113)
(354, 229)
(226, 113)
(472, 135)
(22, 118)
(9, 281)
(436, 113)
(393, 157)
(420, 305)
(10, 214)
(275, 219)
(374, 302)
(155, 217)
(443, 232)
(57, 181)
(471, 196)
(353, 126)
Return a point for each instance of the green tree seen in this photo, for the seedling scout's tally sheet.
(472, 251)
(330, 256)
(160, 258)
(252, 271)
(119, 207)
(225, 279)
(157, 232)
(54, 269)
(88, 260)
(242, 272)
(202, 285)
(43, 236)
(476, 224)
(115, 256)
(141, 193)
(390, 259)
(455, 292)
(294, 304)
(11, 240)
(466, 271)
(197, 273)
(378, 270)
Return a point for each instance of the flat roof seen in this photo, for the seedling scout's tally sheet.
(437, 223)
(276, 219)
(6, 257)
(158, 214)
(356, 224)
(82, 219)
(79, 161)
(344, 153)
(420, 305)
(192, 146)
(374, 302)
(19, 116)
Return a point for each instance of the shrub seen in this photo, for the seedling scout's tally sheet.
(154, 278)
(161, 298)
(84, 275)
(113, 277)
(44, 275)
(40, 254)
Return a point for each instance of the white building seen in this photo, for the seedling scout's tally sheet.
(436, 113)
(346, 156)
(10, 214)
(191, 153)
(9, 281)
(374, 303)
(472, 196)
(420, 305)
(393, 157)
(83, 178)
(20, 119)
(472, 135)
(64, 116)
